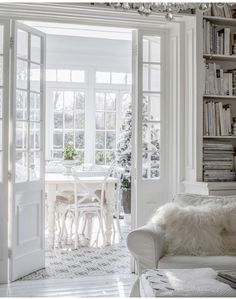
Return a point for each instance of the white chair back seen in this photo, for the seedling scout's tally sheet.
(84, 191)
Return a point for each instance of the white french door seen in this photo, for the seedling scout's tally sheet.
(4, 115)
(27, 114)
(150, 137)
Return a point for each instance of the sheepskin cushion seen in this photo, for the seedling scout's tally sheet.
(229, 242)
(192, 230)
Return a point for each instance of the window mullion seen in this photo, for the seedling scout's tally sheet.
(90, 118)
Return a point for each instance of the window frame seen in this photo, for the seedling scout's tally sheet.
(90, 88)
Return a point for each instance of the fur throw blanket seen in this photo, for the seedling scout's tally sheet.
(197, 230)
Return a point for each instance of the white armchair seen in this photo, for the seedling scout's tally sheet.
(147, 245)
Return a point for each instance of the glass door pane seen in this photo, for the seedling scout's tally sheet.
(151, 102)
(28, 106)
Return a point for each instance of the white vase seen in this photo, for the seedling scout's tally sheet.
(127, 219)
(68, 164)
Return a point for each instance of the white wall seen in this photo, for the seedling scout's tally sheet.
(101, 53)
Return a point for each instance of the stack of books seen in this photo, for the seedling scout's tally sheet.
(228, 277)
(217, 119)
(218, 40)
(218, 82)
(223, 11)
(218, 163)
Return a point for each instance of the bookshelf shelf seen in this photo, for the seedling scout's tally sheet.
(220, 57)
(212, 96)
(221, 185)
(221, 21)
(220, 137)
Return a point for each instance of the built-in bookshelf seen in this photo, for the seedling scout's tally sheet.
(219, 137)
(217, 97)
(219, 100)
(220, 57)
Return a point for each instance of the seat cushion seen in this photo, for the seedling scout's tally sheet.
(188, 262)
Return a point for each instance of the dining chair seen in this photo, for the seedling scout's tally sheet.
(88, 202)
(118, 173)
(64, 200)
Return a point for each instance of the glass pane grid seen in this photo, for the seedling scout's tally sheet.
(69, 122)
(151, 107)
(75, 76)
(105, 140)
(106, 77)
(28, 107)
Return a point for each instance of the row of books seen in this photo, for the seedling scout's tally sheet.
(218, 162)
(219, 10)
(217, 119)
(218, 39)
(219, 82)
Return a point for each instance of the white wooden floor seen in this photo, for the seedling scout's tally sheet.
(93, 286)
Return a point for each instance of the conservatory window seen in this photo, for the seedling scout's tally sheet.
(113, 78)
(88, 113)
(68, 121)
(65, 75)
(105, 144)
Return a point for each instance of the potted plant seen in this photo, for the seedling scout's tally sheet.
(69, 155)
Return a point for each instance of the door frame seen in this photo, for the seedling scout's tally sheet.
(87, 16)
(93, 16)
(4, 204)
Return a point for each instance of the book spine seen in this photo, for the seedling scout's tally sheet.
(226, 41)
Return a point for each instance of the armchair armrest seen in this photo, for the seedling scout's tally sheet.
(147, 247)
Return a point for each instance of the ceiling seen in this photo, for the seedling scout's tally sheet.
(82, 30)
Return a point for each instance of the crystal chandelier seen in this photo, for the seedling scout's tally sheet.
(146, 8)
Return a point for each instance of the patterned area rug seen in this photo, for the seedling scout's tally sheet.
(71, 263)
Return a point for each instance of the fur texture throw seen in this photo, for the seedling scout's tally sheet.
(197, 230)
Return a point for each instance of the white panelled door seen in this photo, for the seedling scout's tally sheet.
(27, 151)
(150, 137)
(4, 119)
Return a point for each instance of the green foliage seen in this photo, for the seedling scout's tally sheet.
(80, 157)
(69, 152)
(100, 158)
(124, 149)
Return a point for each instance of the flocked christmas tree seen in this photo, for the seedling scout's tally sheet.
(124, 149)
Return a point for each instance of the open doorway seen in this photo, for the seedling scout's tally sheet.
(80, 102)
(88, 110)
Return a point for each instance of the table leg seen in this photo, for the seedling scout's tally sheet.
(110, 193)
(51, 193)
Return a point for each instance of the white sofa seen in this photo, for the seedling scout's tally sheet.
(147, 246)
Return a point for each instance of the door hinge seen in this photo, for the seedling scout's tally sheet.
(11, 43)
(9, 175)
(9, 253)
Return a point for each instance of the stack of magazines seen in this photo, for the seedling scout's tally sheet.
(227, 276)
(218, 162)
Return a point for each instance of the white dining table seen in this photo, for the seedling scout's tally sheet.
(56, 181)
